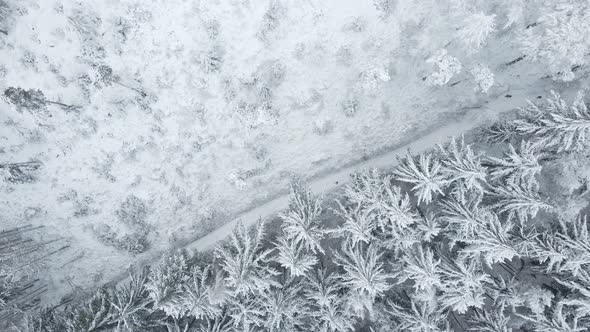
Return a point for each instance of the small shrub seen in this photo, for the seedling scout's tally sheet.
(30, 99)
(132, 212)
(350, 107)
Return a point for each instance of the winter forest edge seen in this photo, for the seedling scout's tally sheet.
(485, 231)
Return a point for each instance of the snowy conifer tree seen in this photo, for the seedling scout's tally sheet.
(166, 280)
(93, 316)
(560, 318)
(463, 285)
(483, 77)
(284, 308)
(204, 294)
(579, 298)
(575, 243)
(324, 291)
(445, 67)
(130, 301)
(515, 12)
(517, 166)
(358, 304)
(425, 174)
(522, 200)
(301, 222)
(559, 126)
(499, 132)
(464, 216)
(218, 324)
(475, 29)
(421, 267)
(429, 226)
(245, 261)
(421, 317)
(364, 271)
(560, 38)
(548, 250)
(383, 201)
(460, 163)
(247, 313)
(489, 321)
(322, 287)
(293, 257)
(493, 241)
(358, 225)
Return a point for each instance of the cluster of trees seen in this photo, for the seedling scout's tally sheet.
(553, 34)
(20, 260)
(452, 239)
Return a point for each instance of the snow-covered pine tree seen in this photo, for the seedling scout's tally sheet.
(445, 67)
(130, 301)
(510, 294)
(166, 280)
(560, 318)
(521, 200)
(47, 320)
(463, 215)
(493, 242)
(579, 295)
(425, 174)
(558, 126)
(575, 244)
(428, 227)
(247, 313)
(204, 294)
(245, 261)
(323, 290)
(382, 201)
(421, 267)
(483, 77)
(333, 318)
(475, 29)
(364, 270)
(549, 251)
(461, 164)
(515, 10)
(359, 305)
(517, 166)
(559, 38)
(301, 222)
(322, 287)
(358, 225)
(420, 317)
(293, 257)
(174, 325)
(218, 324)
(96, 315)
(284, 307)
(499, 132)
(463, 285)
(489, 321)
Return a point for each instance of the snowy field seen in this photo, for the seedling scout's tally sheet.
(161, 120)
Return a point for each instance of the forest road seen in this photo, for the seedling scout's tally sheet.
(472, 118)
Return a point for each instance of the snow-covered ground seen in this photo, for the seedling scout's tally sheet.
(191, 112)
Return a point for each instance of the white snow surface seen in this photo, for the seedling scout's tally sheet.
(239, 98)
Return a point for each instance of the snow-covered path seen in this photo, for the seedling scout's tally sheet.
(330, 183)
(473, 118)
